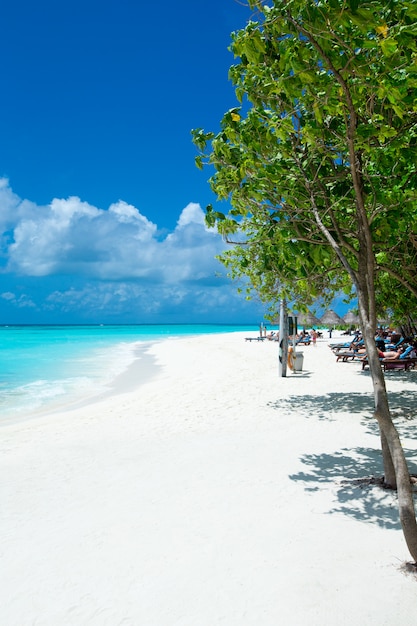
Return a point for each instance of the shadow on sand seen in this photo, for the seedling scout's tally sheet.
(330, 406)
(358, 492)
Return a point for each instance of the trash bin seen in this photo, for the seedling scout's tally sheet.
(298, 361)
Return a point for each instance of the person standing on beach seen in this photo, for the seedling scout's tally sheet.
(314, 336)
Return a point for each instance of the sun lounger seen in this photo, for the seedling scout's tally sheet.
(305, 341)
(393, 346)
(345, 346)
(394, 364)
(255, 338)
(346, 355)
(339, 346)
(398, 364)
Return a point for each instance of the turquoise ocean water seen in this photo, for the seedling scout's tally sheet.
(42, 367)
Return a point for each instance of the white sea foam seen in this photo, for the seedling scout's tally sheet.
(97, 369)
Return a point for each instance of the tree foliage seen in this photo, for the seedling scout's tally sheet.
(318, 165)
(311, 75)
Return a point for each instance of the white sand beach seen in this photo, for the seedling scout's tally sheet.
(215, 493)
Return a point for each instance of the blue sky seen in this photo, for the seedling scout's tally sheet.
(100, 200)
(101, 205)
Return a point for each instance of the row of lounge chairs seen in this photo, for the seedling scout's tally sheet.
(401, 355)
(304, 340)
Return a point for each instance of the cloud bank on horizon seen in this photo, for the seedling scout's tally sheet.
(70, 261)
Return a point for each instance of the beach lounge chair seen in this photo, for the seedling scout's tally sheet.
(404, 362)
(305, 341)
(347, 355)
(344, 346)
(255, 338)
(399, 364)
(339, 346)
(394, 346)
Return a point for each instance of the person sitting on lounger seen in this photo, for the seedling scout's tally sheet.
(357, 344)
(358, 350)
(391, 354)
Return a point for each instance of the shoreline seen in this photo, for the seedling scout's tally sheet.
(138, 370)
(49, 367)
(215, 492)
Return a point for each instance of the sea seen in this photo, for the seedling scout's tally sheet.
(43, 367)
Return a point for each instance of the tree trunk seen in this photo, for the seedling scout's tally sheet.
(395, 465)
(389, 469)
(404, 489)
(381, 403)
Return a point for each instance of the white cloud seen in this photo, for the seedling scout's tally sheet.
(12, 208)
(72, 261)
(20, 301)
(72, 237)
(135, 301)
(8, 295)
(192, 214)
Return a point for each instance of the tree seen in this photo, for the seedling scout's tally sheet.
(318, 164)
(397, 304)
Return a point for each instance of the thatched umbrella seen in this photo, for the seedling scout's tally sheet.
(307, 319)
(351, 318)
(331, 318)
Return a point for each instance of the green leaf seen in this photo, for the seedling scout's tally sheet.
(389, 46)
(286, 161)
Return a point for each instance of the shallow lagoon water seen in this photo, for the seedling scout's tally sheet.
(43, 366)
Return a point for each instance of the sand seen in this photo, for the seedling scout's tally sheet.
(215, 493)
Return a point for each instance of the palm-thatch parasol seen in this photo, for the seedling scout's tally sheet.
(331, 318)
(351, 318)
(307, 319)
